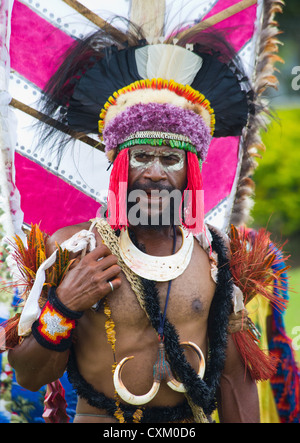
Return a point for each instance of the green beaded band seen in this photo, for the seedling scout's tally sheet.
(177, 144)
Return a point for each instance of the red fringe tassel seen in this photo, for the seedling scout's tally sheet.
(55, 410)
(260, 365)
(194, 206)
(117, 193)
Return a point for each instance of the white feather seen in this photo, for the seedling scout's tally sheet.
(169, 62)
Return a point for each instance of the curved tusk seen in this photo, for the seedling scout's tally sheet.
(197, 350)
(176, 385)
(125, 395)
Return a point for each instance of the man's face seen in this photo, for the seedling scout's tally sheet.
(156, 181)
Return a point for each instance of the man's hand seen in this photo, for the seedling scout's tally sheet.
(87, 282)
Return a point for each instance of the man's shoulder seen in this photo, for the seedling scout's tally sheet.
(68, 231)
(64, 234)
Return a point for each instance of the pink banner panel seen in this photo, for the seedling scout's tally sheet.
(36, 45)
(240, 27)
(219, 170)
(48, 200)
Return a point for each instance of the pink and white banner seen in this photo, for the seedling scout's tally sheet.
(71, 192)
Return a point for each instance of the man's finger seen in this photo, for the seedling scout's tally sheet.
(99, 252)
(114, 284)
(111, 272)
(107, 262)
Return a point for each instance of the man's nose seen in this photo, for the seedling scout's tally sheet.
(156, 171)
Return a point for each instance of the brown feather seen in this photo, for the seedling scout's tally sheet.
(251, 264)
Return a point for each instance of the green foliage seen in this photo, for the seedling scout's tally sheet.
(277, 178)
(277, 200)
(292, 321)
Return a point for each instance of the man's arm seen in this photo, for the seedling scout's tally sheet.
(36, 366)
(238, 396)
(84, 285)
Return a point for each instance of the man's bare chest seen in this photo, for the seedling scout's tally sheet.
(190, 296)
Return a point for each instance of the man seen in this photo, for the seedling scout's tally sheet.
(87, 283)
(158, 291)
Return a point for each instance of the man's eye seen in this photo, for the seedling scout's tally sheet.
(142, 158)
(171, 160)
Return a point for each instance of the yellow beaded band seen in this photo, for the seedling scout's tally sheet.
(187, 92)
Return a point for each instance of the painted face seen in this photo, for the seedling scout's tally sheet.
(156, 173)
(157, 167)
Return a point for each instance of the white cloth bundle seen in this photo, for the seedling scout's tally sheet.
(31, 311)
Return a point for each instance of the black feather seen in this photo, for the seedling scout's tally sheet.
(100, 64)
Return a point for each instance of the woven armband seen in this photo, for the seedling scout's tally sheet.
(54, 328)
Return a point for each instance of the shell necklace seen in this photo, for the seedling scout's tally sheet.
(161, 369)
(159, 269)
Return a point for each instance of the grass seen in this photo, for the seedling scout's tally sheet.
(292, 316)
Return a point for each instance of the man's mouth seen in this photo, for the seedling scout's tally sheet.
(153, 197)
(150, 189)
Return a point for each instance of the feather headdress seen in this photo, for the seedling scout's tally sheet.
(120, 86)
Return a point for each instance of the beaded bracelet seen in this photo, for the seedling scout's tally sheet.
(54, 328)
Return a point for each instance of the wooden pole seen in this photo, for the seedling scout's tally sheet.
(94, 18)
(217, 18)
(59, 126)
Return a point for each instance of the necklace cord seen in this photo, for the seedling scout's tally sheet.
(163, 317)
(201, 394)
